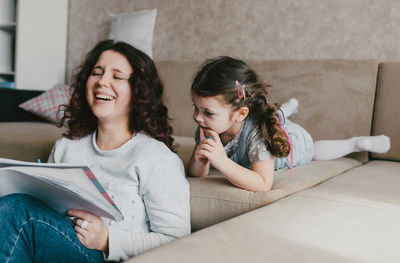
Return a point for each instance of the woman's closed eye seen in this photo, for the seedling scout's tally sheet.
(97, 72)
(116, 74)
(120, 77)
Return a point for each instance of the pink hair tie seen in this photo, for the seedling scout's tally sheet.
(290, 146)
(240, 90)
(266, 99)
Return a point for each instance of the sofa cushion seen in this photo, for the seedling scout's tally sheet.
(47, 105)
(336, 96)
(214, 199)
(27, 141)
(376, 181)
(135, 28)
(350, 218)
(387, 109)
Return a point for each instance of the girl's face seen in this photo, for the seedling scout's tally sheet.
(213, 113)
(108, 91)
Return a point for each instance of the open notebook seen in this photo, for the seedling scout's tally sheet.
(62, 186)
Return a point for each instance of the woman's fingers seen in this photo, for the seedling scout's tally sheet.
(82, 223)
(82, 214)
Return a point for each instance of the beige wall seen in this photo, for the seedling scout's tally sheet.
(250, 29)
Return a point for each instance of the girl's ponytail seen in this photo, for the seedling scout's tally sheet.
(267, 121)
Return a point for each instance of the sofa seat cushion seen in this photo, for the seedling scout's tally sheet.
(376, 181)
(353, 217)
(214, 199)
(27, 141)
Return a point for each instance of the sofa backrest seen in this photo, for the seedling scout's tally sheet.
(387, 109)
(336, 96)
(177, 77)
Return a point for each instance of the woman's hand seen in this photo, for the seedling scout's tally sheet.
(212, 148)
(94, 233)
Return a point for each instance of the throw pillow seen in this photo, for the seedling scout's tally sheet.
(135, 28)
(46, 104)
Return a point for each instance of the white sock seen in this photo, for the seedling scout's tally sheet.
(333, 149)
(288, 108)
(375, 144)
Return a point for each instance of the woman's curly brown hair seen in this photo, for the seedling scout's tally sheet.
(218, 77)
(148, 112)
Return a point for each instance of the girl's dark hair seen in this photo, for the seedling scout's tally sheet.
(148, 113)
(218, 77)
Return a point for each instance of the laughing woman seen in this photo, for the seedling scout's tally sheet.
(118, 126)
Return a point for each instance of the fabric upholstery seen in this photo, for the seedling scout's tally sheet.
(135, 28)
(47, 104)
(387, 109)
(184, 146)
(27, 141)
(214, 199)
(350, 218)
(177, 77)
(336, 96)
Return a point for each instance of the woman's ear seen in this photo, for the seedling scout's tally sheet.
(242, 113)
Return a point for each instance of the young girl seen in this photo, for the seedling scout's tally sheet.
(118, 126)
(245, 137)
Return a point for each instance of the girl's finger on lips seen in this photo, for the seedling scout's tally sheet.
(202, 136)
(214, 135)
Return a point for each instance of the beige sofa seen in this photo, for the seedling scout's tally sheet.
(346, 210)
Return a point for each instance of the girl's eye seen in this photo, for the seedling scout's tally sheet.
(209, 114)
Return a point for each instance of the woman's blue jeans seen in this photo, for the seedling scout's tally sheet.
(31, 231)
